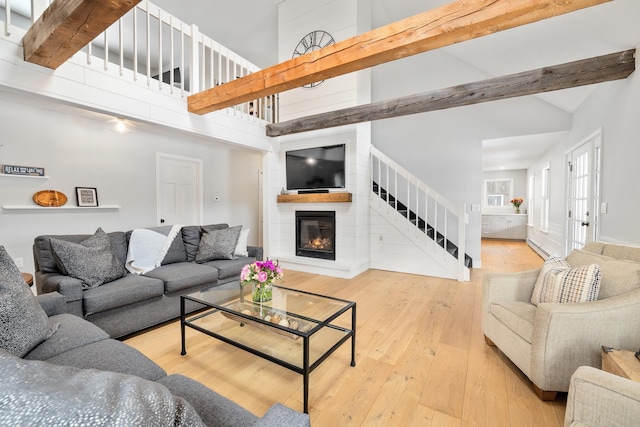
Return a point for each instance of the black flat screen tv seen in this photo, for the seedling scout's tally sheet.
(317, 168)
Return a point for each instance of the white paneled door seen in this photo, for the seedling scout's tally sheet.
(583, 184)
(179, 190)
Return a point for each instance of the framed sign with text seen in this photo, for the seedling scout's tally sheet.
(87, 196)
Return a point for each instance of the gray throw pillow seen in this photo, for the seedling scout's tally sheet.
(92, 261)
(218, 244)
(23, 323)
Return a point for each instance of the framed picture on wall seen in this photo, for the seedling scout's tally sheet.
(87, 196)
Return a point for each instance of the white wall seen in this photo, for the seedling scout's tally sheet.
(444, 148)
(613, 107)
(553, 239)
(77, 149)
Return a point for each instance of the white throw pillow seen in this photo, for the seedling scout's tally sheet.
(559, 282)
(241, 246)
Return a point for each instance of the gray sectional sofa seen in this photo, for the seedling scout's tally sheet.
(133, 302)
(59, 369)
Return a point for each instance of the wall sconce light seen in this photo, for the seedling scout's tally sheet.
(120, 125)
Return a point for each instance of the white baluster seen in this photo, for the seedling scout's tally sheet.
(135, 44)
(195, 60)
(121, 43)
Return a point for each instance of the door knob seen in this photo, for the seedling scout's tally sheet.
(585, 224)
(162, 221)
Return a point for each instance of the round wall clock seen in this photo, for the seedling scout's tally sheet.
(313, 41)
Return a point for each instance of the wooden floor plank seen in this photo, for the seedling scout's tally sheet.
(444, 388)
(421, 356)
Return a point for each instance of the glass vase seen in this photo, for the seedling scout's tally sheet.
(261, 292)
(517, 210)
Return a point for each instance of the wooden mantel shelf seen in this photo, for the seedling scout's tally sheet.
(342, 197)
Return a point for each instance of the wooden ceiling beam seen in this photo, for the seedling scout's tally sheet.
(605, 68)
(66, 26)
(443, 26)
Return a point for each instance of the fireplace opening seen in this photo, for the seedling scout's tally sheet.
(316, 234)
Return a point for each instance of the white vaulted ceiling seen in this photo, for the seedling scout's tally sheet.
(250, 28)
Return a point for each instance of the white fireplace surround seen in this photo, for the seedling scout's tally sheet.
(352, 219)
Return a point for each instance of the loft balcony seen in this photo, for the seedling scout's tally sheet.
(142, 68)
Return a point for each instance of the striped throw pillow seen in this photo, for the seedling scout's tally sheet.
(559, 282)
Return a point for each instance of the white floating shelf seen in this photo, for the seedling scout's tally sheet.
(6, 175)
(41, 208)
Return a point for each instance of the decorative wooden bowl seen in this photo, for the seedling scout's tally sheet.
(49, 198)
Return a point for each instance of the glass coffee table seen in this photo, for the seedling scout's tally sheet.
(296, 329)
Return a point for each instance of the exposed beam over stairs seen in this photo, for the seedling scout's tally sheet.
(443, 26)
(600, 69)
(66, 26)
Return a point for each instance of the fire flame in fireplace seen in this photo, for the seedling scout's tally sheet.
(319, 243)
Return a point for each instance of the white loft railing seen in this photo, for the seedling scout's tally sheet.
(152, 47)
(426, 209)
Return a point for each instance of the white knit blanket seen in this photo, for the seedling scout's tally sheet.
(147, 248)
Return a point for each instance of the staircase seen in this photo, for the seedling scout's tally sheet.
(421, 224)
(425, 218)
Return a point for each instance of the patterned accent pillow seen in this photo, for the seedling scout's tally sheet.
(92, 261)
(559, 282)
(23, 323)
(218, 244)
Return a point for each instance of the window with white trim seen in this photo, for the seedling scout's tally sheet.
(544, 199)
(531, 197)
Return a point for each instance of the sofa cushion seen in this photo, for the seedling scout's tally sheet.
(184, 275)
(176, 252)
(628, 253)
(72, 333)
(618, 276)
(217, 244)
(44, 257)
(595, 247)
(560, 283)
(23, 322)
(92, 261)
(518, 316)
(229, 268)
(191, 237)
(127, 290)
(42, 394)
(214, 409)
(110, 355)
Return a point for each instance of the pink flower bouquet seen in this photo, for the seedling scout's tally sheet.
(261, 275)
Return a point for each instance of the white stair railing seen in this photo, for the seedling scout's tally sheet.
(151, 46)
(426, 209)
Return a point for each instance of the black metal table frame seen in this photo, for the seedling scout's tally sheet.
(306, 369)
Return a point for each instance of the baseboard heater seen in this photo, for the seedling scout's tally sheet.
(539, 249)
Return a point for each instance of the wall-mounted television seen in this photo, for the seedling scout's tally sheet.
(317, 168)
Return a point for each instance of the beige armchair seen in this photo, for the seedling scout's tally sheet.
(548, 342)
(600, 399)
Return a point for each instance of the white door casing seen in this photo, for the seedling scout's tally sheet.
(583, 184)
(179, 190)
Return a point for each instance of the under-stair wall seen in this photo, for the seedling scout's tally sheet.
(413, 228)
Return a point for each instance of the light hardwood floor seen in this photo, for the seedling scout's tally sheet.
(421, 356)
